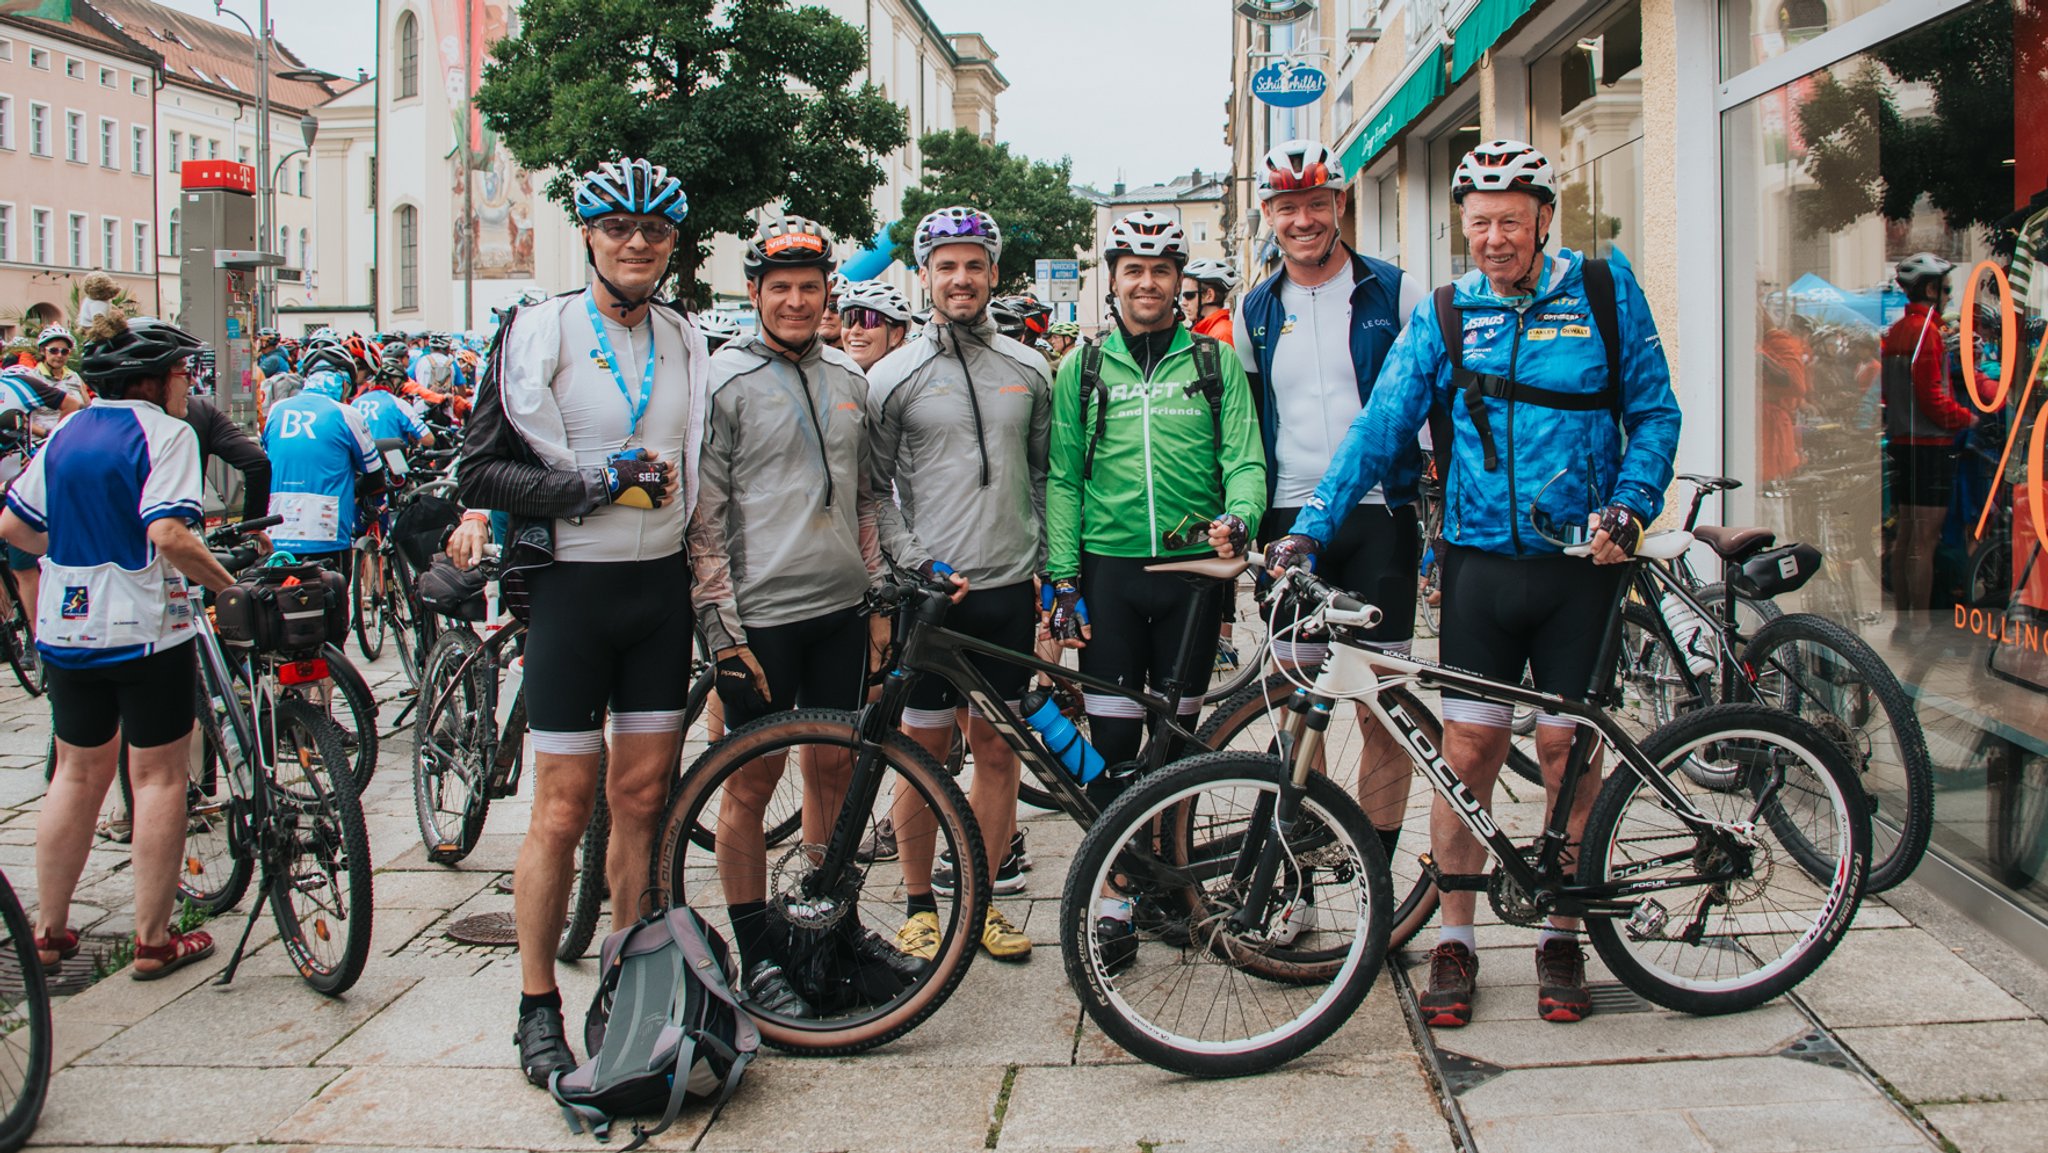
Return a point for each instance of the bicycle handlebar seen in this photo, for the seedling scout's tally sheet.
(231, 532)
(1337, 606)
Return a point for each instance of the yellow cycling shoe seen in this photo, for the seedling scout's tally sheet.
(1004, 941)
(919, 936)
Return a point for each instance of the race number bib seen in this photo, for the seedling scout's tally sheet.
(307, 516)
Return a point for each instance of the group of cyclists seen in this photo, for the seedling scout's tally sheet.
(661, 475)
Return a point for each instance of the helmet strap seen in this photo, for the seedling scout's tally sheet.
(620, 299)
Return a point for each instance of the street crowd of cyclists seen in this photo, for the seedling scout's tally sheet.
(660, 474)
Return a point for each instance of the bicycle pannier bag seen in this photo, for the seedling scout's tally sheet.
(282, 609)
(664, 1027)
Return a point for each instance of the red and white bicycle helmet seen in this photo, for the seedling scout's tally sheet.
(1504, 166)
(1298, 165)
(1146, 233)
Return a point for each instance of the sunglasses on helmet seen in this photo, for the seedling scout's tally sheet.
(1284, 180)
(621, 229)
(958, 226)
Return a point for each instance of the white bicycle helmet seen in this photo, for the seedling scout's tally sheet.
(637, 186)
(1146, 233)
(879, 296)
(954, 225)
(55, 332)
(1914, 271)
(1218, 272)
(719, 329)
(1297, 165)
(1504, 166)
(835, 285)
(788, 242)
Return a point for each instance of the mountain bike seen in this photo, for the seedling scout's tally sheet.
(278, 803)
(819, 888)
(385, 603)
(17, 636)
(1706, 900)
(27, 1036)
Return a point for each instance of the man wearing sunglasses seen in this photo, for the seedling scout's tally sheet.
(960, 419)
(1559, 422)
(586, 429)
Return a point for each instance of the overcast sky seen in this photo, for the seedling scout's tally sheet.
(1126, 87)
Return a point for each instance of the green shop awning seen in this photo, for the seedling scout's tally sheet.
(1480, 28)
(1415, 95)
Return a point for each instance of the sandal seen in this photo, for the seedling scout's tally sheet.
(119, 830)
(181, 950)
(54, 951)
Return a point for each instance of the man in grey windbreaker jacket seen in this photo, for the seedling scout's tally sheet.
(961, 420)
(783, 547)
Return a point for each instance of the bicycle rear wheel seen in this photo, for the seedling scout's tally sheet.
(1817, 670)
(1747, 920)
(1241, 654)
(450, 769)
(357, 715)
(369, 623)
(27, 1036)
(712, 856)
(413, 628)
(216, 869)
(1211, 998)
(320, 892)
(22, 656)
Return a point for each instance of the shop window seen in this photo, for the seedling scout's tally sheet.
(1590, 94)
(1920, 491)
(1753, 31)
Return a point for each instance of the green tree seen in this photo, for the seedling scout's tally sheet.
(1032, 201)
(747, 102)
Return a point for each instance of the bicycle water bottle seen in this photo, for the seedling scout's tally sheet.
(1686, 627)
(1060, 735)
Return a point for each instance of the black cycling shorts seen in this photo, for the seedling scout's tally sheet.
(1548, 614)
(607, 635)
(1922, 474)
(819, 663)
(149, 699)
(1376, 556)
(1136, 621)
(1006, 616)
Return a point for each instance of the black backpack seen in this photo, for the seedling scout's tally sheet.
(1476, 386)
(664, 1026)
(1208, 384)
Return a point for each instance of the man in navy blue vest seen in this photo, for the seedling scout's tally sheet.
(1312, 338)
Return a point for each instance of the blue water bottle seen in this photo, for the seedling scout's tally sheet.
(1060, 735)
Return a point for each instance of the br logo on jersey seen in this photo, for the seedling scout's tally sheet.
(294, 423)
(77, 603)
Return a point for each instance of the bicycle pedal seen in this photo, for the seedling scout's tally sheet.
(1451, 882)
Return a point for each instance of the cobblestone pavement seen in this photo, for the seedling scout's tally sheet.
(1918, 1028)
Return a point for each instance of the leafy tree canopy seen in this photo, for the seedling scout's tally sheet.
(747, 102)
(1032, 201)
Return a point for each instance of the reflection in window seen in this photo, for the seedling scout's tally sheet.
(1594, 88)
(1753, 31)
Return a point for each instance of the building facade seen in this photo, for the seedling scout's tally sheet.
(1764, 168)
(1195, 200)
(77, 166)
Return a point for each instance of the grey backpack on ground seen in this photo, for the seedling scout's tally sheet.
(664, 1027)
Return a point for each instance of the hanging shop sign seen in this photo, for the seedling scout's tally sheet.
(1289, 84)
(1275, 11)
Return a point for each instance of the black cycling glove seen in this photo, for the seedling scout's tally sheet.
(1069, 611)
(1622, 527)
(1292, 550)
(636, 479)
(740, 681)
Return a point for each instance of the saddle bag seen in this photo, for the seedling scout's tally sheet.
(283, 609)
(1777, 571)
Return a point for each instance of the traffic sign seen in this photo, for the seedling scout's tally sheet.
(1058, 270)
(1063, 291)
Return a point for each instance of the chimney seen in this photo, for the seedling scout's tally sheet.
(1197, 181)
(1118, 190)
(362, 75)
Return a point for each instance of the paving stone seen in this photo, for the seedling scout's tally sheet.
(436, 887)
(1663, 1130)
(459, 1108)
(1804, 1126)
(1353, 1104)
(1661, 1085)
(258, 1021)
(1991, 1127)
(495, 852)
(857, 1104)
(172, 1105)
(1902, 977)
(458, 1021)
(1031, 1002)
(2006, 1059)
(1653, 1036)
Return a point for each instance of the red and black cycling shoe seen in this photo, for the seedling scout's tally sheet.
(1561, 993)
(1453, 980)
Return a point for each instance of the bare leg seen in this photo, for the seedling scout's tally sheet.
(64, 828)
(993, 793)
(1475, 753)
(157, 775)
(1385, 774)
(636, 788)
(31, 582)
(1553, 750)
(916, 828)
(742, 848)
(564, 793)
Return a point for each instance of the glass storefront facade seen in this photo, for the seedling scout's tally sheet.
(1935, 140)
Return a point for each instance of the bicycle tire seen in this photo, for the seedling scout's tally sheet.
(1224, 955)
(2019, 827)
(587, 893)
(329, 821)
(217, 868)
(368, 621)
(1909, 778)
(1432, 614)
(21, 644)
(1990, 580)
(359, 732)
(29, 1019)
(449, 739)
(1751, 613)
(1416, 894)
(1249, 640)
(1729, 731)
(908, 767)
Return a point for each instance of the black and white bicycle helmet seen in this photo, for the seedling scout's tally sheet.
(958, 224)
(630, 185)
(1146, 233)
(142, 348)
(1504, 166)
(879, 296)
(1920, 268)
(788, 242)
(1298, 165)
(1218, 272)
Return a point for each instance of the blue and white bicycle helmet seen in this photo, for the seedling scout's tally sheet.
(638, 186)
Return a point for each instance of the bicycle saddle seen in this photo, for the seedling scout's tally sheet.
(1211, 567)
(1735, 544)
(1710, 483)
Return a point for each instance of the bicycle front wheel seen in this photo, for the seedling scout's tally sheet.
(356, 713)
(369, 622)
(1241, 653)
(26, 1034)
(320, 891)
(450, 767)
(1743, 919)
(863, 988)
(216, 869)
(1817, 670)
(1225, 990)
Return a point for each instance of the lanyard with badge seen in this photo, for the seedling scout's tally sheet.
(635, 410)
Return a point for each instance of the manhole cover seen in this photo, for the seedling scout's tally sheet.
(493, 929)
(1610, 997)
(74, 976)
